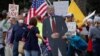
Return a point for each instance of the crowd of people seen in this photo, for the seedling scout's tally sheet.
(52, 32)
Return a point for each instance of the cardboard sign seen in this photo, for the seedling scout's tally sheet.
(13, 10)
(71, 27)
(61, 7)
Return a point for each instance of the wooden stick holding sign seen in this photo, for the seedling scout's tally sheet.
(13, 1)
(49, 2)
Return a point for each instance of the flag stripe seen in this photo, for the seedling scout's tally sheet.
(32, 12)
(42, 10)
(42, 6)
(39, 7)
(27, 19)
(43, 14)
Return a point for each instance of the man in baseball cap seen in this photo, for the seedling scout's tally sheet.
(94, 34)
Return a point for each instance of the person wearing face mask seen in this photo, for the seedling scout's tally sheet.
(17, 33)
(94, 34)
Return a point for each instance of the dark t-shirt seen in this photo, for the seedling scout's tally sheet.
(17, 32)
(32, 40)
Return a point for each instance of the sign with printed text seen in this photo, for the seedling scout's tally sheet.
(71, 27)
(61, 7)
(13, 10)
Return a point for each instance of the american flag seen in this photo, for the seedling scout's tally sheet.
(38, 7)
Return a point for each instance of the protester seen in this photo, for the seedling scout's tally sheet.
(85, 32)
(3, 31)
(94, 34)
(54, 28)
(8, 49)
(17, 33)
(72, 47)
(39, 25)
(85, 28)
(6, 18)
(31, 41)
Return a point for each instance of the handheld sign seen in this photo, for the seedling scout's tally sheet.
(71, 27)
(61, 7)
(13, 10)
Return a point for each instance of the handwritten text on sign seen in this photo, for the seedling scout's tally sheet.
(71, 27)
(13, 10)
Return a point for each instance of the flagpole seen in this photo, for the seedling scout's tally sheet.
(13, 1)
(49, 2)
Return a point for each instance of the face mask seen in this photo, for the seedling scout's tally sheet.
(20, 21)
(9, 21)
(24, 14)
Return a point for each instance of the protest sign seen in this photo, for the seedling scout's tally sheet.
(71, 27)
(61, 7)
(13, 10)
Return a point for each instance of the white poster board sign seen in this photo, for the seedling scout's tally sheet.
(71, 27)
(13, 10)
(61, 7)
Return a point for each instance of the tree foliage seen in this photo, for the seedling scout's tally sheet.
(4, 4)
(93, 5)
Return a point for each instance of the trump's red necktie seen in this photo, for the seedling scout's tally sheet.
(53, 25)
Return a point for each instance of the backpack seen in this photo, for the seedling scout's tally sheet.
(78, 43)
